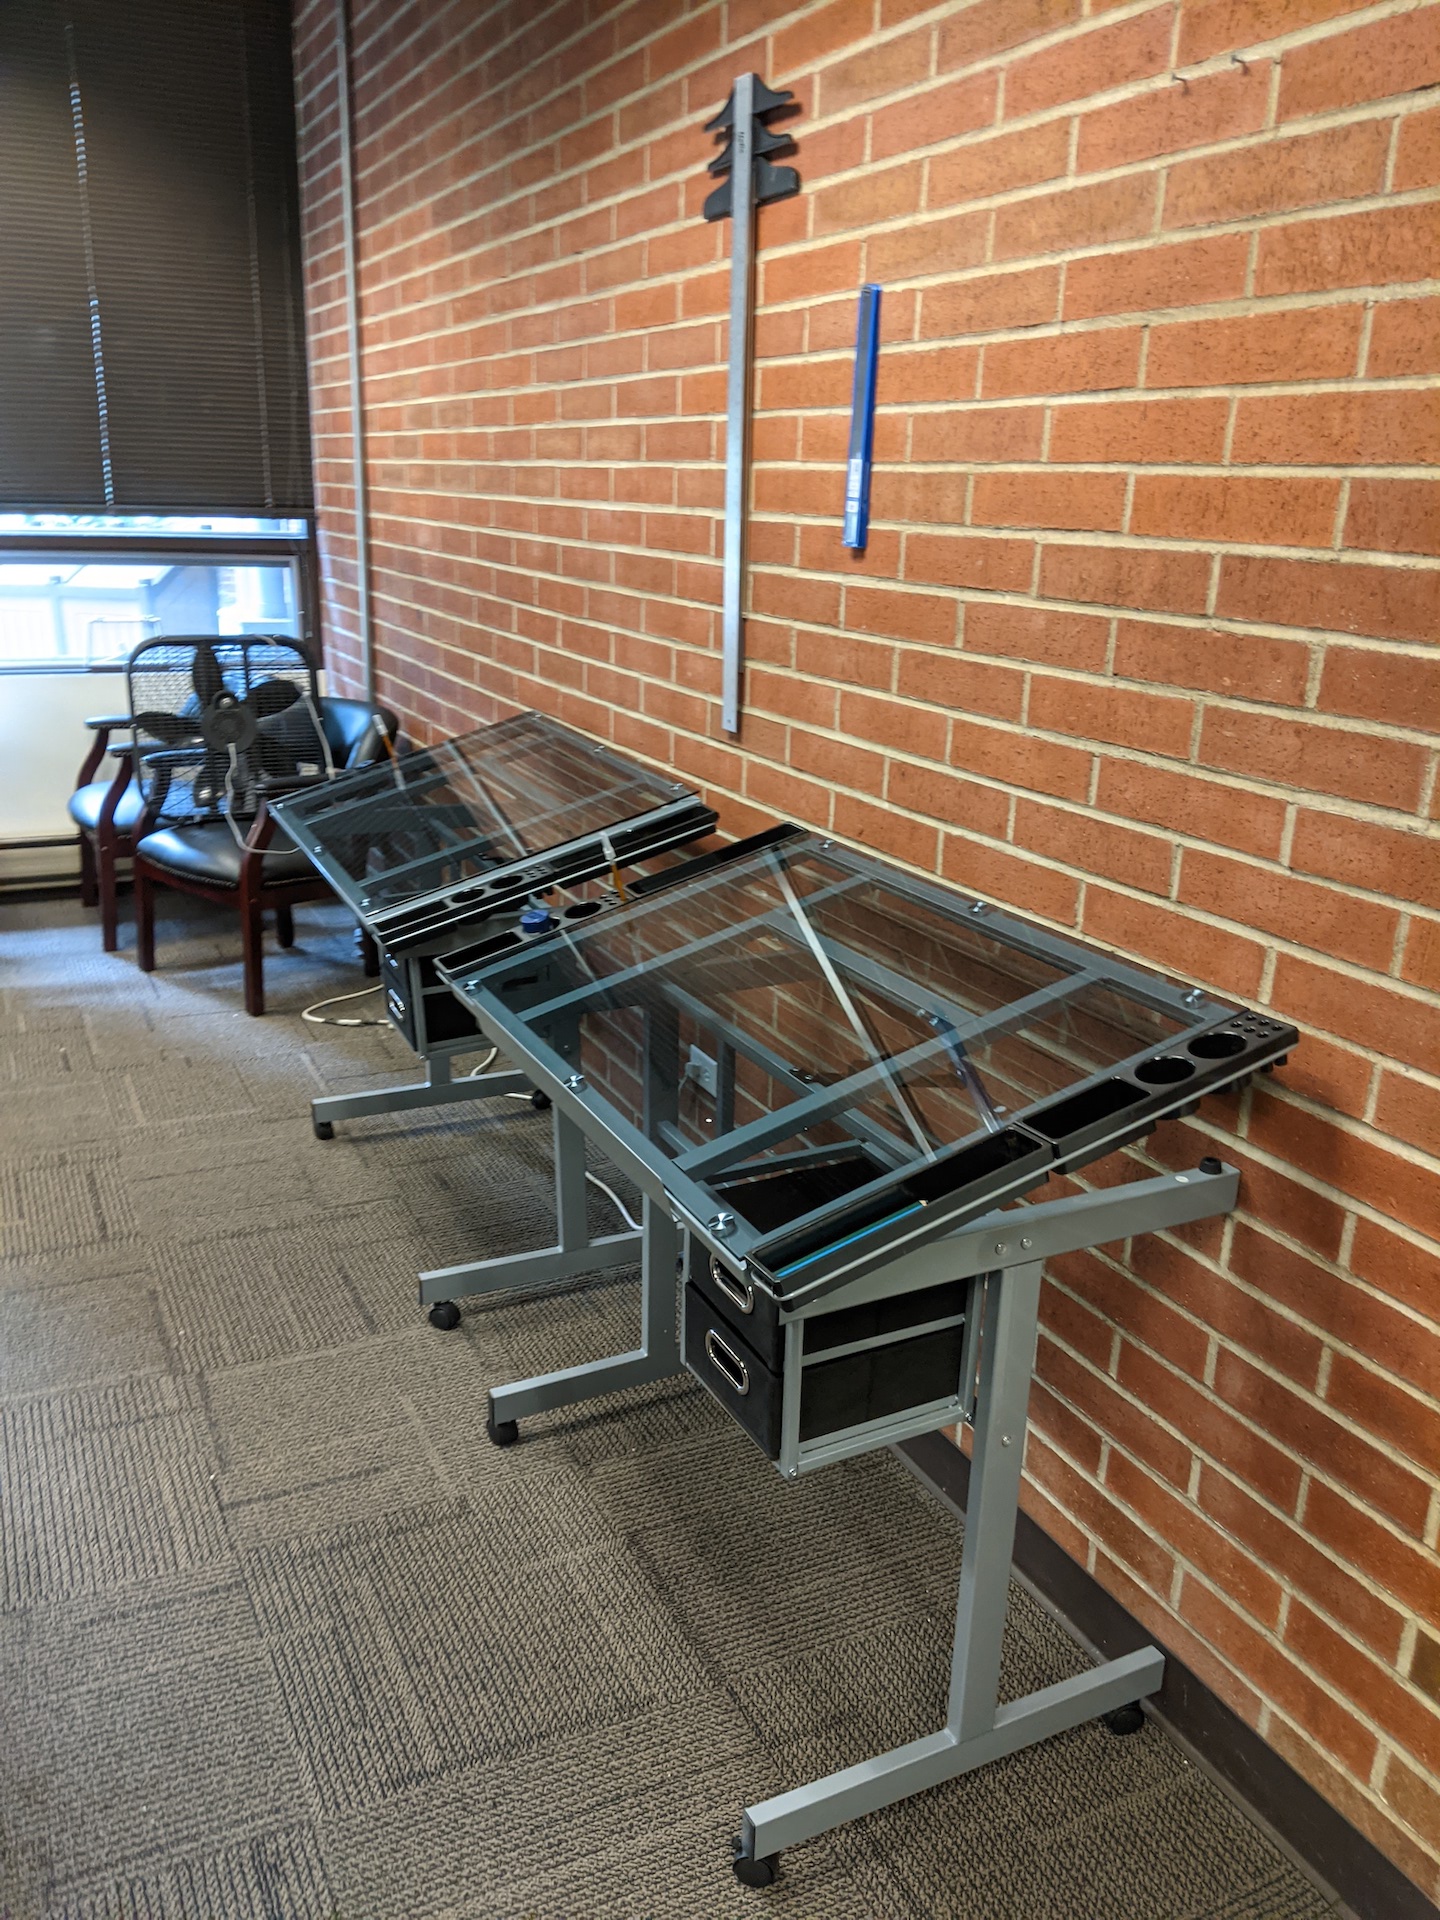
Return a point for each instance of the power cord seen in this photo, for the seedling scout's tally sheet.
(609, 1192)
(313, 1014)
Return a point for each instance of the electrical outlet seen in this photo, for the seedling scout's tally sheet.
(700, 1068)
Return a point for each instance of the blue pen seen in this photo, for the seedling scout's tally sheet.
(862, 420)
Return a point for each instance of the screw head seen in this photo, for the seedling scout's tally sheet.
(1027, 1242)
(723, 1225)
(1000, 1246)
(575, 1083)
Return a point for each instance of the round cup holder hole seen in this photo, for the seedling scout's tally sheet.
(1217, 1046)
(1168, 1071)
(582, 910)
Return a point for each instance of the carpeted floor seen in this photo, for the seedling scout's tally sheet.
(282, 1635)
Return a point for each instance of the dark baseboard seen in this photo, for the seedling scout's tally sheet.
(1337, 1852)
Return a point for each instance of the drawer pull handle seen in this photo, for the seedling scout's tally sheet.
(727, 1364)
(740, 1291)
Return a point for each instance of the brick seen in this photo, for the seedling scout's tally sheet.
(1160, 937)
(924, 617)
(1095, 846)
(883, 830)
(1203, 1418)
(941, 114)
(997, 874)
(1241, 1576)
(930, 373)
(977, 435)
(1397, 603)
(1093, 62)
(1216, 26)
(1149, 279)
(844, 657)
(947, 798)
(1061, 363)
(1309, 343)
(1235, 507)
(1413, 1722)
(878, 194)
(1086, 216)
(1215, 106)
(1126, 577)
(1298, 753)
(1241, 665)
(1402, 1025)
(1386, 245)
(1123, 716)
(922, 248)
(878, 69)
(1409, 1424)
(1277, 176)
(1410, 1110)
(832, 760)
(994, 26)
(1019, 759)
(909, 729)
(1139, 432)
(1361, 853)
(1043, 634)
(1339, 1731)
(1394, 516)
(1296, 910)
(1352, 1162)
(999, 163)
(963, 685)
(969, 560)
(1372, 62)
(1186, 803)
(1049, 497)
(991, 303)
(1356, 1537)
(1421, 962)
(1339, 429)
(814, 270)
(1417, 160)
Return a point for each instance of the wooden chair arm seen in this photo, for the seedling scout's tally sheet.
(102, 727)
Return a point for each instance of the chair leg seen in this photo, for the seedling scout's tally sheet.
(144, 919)
(369, 956)
(88, 894)
(109, 913)
(285, 926)
(252, 933)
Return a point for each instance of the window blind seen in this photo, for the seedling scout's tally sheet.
(151, 334)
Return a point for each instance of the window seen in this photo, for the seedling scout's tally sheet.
(80, 591)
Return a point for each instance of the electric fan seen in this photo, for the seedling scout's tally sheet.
(217, 720)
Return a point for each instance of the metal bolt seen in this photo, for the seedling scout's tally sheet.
(1026, 1241)
(1000, 1246)
(1195, 998)
(575, 1083)
(792, 1473)
(723, 1225)
(1004, 1439)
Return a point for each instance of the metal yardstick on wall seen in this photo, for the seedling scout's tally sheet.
(753, 182)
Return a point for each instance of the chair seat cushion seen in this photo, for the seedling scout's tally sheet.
(86, 802)
(212, 853)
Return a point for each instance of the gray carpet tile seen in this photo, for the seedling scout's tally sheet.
(282, 1634)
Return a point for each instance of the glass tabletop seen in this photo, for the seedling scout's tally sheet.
(399, 830)
(792, 1029)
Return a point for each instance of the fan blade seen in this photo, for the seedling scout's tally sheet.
(272, 696)
(206, 675)
(171, 728)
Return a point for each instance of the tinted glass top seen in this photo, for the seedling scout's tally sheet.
(401, 829)
(798, 1026)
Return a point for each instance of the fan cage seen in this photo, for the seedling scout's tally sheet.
(215, 720)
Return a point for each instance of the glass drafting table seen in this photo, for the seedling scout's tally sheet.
(878, 1068)
(429, 849)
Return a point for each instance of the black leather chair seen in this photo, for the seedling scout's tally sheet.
(267, 873)
(106, 814)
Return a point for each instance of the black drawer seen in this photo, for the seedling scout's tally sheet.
(759, 1324)
(848, 1391)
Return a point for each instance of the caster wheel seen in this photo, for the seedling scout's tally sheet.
(504, 1433)
(540, 1101)
(445, 1315)
(324, 1129)
(749, 1871)
(1123, 1720)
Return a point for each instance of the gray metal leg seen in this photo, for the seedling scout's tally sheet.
(976, 1729)
(437, 1089)
(657, 1356)
(574, 1254)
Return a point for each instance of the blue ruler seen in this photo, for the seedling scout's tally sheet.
(862, 419)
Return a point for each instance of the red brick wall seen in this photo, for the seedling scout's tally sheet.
(1142, 643)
